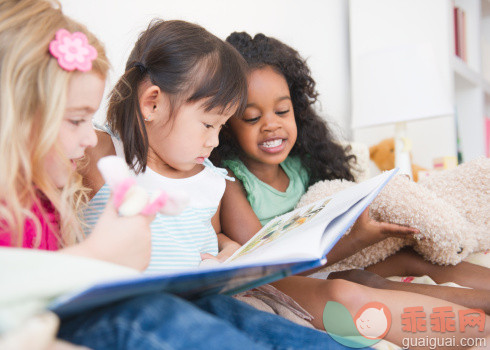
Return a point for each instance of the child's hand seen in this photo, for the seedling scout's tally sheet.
(125, 240)
(228, 251)
(371, 231)
(209, 260)
(226, 247)
(364, 233)
(229, 248)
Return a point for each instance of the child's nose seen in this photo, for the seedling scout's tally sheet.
(90, 137)
(213, 139)
(271, 123)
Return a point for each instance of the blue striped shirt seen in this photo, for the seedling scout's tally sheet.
(177, 241)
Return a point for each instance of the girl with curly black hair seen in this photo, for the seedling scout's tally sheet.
(277, 148)
(280, 145)
(320, 154)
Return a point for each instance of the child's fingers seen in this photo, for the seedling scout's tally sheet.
(388, 229)
(208, 260)
(395, 230)
(205, 256)
(364, 215)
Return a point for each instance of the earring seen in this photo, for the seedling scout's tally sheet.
(147, 119)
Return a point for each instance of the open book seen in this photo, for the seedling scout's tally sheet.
(287, 245)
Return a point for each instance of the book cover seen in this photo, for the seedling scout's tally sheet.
(289, 244)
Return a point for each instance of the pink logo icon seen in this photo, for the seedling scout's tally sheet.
(72, 51)
(373, 320)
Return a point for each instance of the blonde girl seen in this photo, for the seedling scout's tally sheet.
(45, 126)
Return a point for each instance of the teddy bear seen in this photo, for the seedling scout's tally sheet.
(450, 208)
(383, 155)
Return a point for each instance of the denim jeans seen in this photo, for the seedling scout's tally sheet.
(164, 321)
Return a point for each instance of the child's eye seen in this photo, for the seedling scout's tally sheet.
(282, 112)
(208, 126)
(76, 122)
(251, 120)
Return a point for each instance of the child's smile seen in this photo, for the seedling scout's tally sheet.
(273, 145)
(267, 130)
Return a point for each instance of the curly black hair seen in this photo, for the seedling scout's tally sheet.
(324, 158)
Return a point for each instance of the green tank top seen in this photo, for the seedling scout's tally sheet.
(266, 201)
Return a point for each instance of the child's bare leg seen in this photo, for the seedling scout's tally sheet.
(313, 294)
(409, 263)
(471, 298)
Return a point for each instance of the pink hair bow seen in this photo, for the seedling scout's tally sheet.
(72, 51)
(131, 199)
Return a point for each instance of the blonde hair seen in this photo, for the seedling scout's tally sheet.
(33, 89)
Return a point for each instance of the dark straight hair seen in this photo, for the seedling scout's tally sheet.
(188, 64)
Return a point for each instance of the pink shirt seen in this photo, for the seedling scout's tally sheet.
(49, 221)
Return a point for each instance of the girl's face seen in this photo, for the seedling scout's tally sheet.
(85, 91)
(267, 131)
(179, 145)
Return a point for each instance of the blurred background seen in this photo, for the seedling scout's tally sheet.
(378, 64)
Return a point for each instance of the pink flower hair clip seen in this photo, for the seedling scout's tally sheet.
(72, 51)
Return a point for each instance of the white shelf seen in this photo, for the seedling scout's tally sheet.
(465, 72)
(486, 86)
(383, 24)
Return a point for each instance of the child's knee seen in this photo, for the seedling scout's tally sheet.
(349, 294)
(413, 262)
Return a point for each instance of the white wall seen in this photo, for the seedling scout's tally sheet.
(318, 29)
(394, 29)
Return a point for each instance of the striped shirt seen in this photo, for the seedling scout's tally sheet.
(177, 241)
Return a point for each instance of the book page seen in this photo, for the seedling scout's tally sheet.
(305, 233)
(292, 235)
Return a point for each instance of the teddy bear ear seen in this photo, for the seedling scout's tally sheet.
(372, 151)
